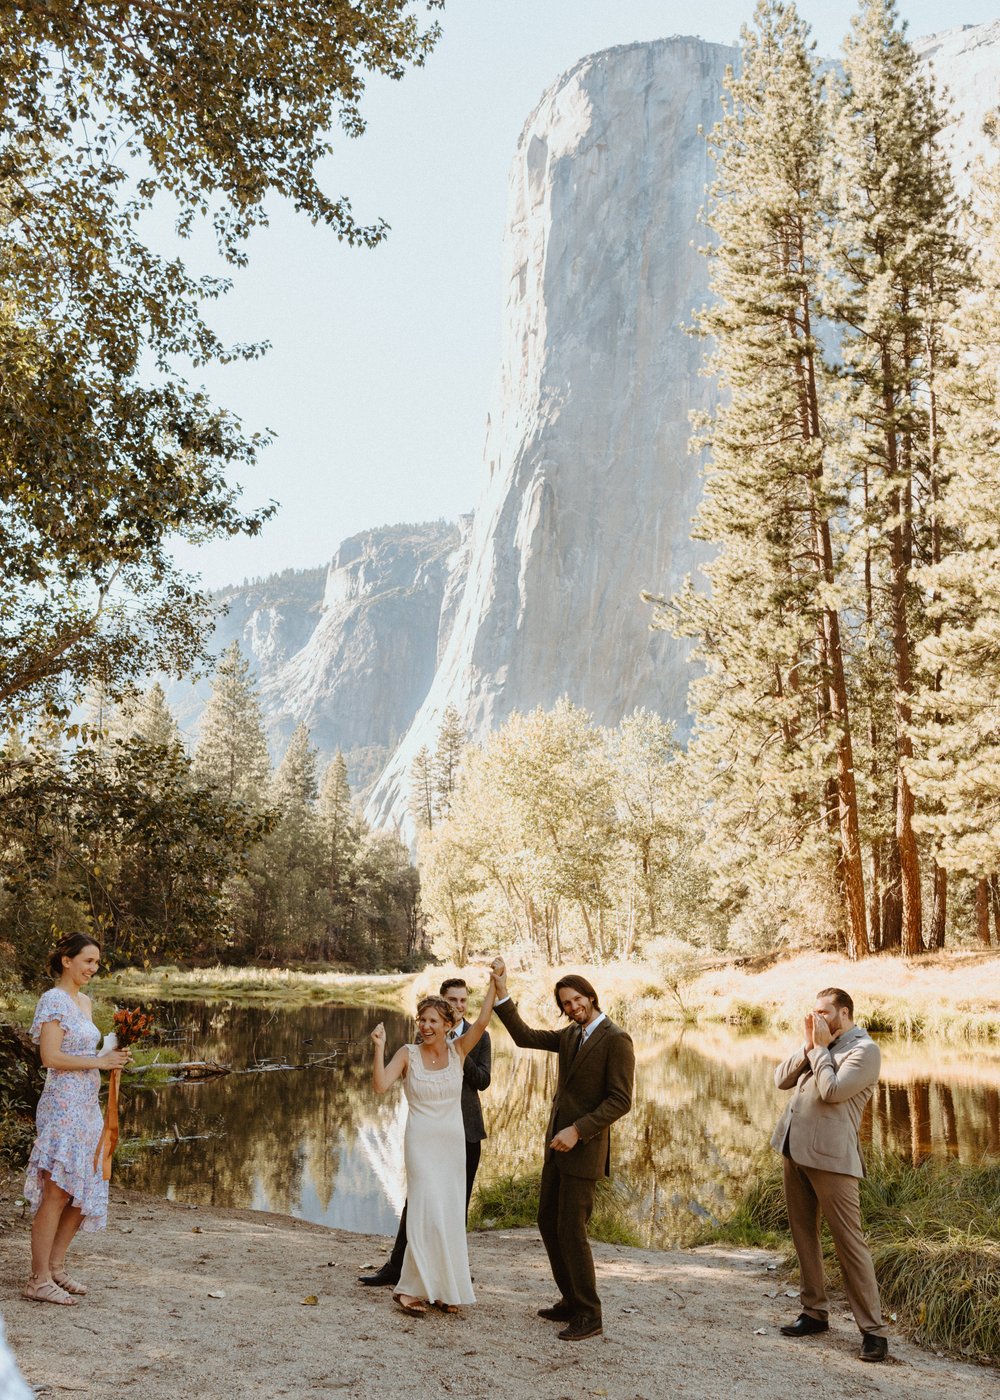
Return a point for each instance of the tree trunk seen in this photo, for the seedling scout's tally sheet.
(852, 869)
(939, 914)
(983, 911)
(906, 841)
(995, 904)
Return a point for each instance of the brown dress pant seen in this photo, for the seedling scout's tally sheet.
(807, 1192)
(565, 1204)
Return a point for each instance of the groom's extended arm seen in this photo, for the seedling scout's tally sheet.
(525, 1036)
(619, 1076)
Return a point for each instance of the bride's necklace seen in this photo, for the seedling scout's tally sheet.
(434, 1056)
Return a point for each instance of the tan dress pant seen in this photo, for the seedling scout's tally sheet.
(808, 1191)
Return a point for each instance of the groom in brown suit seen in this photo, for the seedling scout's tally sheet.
(596, 1070)
(831, 1080)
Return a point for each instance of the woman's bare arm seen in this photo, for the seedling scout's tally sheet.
(385, 1075)
(50, 1048)
(472, 1037)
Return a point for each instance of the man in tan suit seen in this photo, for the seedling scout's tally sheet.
(831, 1078)
(594, 1089)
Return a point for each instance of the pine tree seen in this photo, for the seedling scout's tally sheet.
(148, 717)
(232, 751)
(294, 783)
(422, 805)
(956, 772)
(774, 729)
(452, 740)
(896, 267)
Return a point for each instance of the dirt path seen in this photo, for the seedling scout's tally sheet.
(695, 1324)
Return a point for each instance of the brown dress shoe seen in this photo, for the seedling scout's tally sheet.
(559, 1312)
(873, 1348)
(579, 1328)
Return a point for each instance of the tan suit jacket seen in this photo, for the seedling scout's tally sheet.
(830, 1088)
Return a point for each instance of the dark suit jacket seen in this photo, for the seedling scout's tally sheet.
(594, 1087)
(475, 1078)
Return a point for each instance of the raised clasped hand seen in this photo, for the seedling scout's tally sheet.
(498, 974)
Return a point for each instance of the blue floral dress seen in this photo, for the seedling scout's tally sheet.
(68, 1116)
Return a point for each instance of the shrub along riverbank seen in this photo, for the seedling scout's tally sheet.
(934, 1237)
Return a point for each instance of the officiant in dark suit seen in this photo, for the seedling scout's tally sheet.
(594, 1090)
(476, 1077)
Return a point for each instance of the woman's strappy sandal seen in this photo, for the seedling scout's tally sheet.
(47, 1292)
(70, 1284)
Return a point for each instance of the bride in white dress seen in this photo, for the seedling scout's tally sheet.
(436, 1263)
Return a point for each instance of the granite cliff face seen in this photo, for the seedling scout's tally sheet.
(350, 649)
(589, 486)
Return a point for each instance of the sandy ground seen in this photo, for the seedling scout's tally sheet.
(294, 1322)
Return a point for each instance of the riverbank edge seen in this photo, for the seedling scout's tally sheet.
(246, 1298)
(953, 995)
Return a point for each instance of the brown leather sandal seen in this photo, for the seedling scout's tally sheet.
(47, 1292)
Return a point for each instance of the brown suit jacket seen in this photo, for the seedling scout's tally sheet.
(830, 1088)
(593, 1090)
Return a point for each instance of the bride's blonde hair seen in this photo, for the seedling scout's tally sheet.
(439, 1004)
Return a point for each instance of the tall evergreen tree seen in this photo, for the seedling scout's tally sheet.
(232, 751)
(294, 783)
(452, 739)
(148, 717)
(774, 728)
(956, 772)
(896, 265)
(422, 804)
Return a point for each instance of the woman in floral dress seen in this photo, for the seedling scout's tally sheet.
(65, 1189)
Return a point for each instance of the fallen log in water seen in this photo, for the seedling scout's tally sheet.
(184, 1069)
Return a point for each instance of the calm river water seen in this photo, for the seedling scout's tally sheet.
(318, 1143)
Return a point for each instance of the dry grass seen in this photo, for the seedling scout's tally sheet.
(945, 997)
(252, 984)
(934, 1240)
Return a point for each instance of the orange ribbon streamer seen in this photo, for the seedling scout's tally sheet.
(108, 1140)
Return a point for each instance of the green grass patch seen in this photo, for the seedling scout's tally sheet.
(512, 1201)
(934, 1233)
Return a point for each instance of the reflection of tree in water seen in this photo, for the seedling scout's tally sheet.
(284, 1131)
(319, 1142)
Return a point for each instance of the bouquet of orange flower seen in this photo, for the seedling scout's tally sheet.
(130, 1026)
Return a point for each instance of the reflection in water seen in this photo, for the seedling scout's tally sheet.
(320, 1144)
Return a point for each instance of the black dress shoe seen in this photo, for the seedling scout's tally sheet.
(805, 1326)
(559, 1312)
(579, 1328)
(385, 1278)
(874, 1348)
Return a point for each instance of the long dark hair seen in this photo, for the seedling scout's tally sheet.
(579, 984)
(69, 947)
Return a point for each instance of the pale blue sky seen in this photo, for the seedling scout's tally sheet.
(380, 375)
